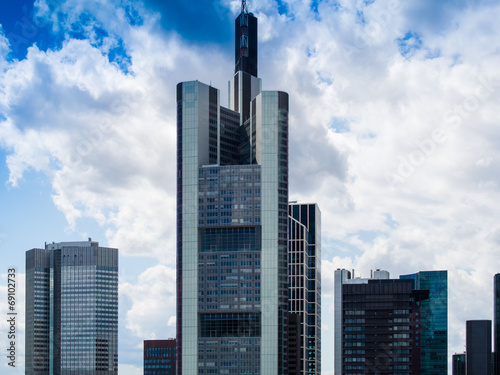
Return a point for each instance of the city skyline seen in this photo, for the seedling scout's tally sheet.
(90, 145)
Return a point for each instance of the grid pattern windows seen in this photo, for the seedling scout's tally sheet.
(230, 325)
(75, 309)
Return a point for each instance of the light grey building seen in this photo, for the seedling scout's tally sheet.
(304, 275)
(232, 218)
(72, 309)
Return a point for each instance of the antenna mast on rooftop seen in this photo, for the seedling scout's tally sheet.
(243, 6)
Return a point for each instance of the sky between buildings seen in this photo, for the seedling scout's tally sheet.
(394, 132)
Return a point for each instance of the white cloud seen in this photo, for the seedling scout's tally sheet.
(150, 304)
(4, 48)
(126, 369)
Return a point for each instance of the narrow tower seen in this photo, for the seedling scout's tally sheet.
(304, 288)
(245, 51)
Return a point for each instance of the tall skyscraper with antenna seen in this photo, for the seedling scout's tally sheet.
(232, 203)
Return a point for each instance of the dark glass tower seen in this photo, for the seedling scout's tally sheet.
(458, 363)
(478, 347)
(304, 275)
(72, 309)
(434, 321)
(375, 329)
(245, 42)
(391, 326)
(232, 221)
(496, 322)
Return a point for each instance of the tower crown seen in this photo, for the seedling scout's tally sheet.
(245, 46)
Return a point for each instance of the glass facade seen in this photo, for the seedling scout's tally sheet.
(478, 355)
(304, 275)
(391, 326)
(72, 309)
(232, 222)
(458, 364)
(160, 357)
(37, 311)
(496, 323)
(433, 321)
(376, 328)
(232, 233)
(245, 57)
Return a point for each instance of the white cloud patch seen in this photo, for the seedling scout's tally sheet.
(126, 369)
(152, 303)
(147, 311)
(4, 48)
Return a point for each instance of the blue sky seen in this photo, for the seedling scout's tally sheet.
(393, 132)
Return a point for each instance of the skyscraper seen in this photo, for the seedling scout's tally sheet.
(390, 326)
(496, 322)
(159, 357)
(72, 309)
(458, 364)
(232, 210)
(478, 347)
(304, 274)
(373, 328)
(433, 321)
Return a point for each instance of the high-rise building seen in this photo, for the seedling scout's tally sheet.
(496, 322)
(433, 321)
(379, 323)
(304, 274)
(478, 347)
(232, 218)
(72, 309)
(373, 327)
(458, 364)
(159, 357)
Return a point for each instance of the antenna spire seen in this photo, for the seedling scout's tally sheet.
(243, 6)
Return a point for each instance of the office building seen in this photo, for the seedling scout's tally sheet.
(496, 323)
(159, 357)
(458, 364)
(433, 321)
(72, 309)
(304, 275)
(372, 324)
(379, 324)
(232, 218)
(478, 347)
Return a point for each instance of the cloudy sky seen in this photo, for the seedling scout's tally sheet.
(395, 133)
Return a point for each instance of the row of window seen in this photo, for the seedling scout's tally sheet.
(228, 256)
(229, 207)
(228, 199)
(227, 278)
(227, 264)
(231, 371)
(228, 221)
